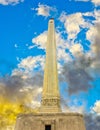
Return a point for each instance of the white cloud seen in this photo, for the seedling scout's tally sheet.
(88, 14)
(44, 10)
(40, 40)
(63, 56)
(73, 23)
(91, 34)
(61, 42)
(96, 2)
(95, 14)
(76, 50)
(96, 107)
(29, 64)
(10, 2)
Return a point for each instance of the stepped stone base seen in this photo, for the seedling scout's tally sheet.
(50, 121)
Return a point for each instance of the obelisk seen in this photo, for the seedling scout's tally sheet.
(50, 95)
(50, 116)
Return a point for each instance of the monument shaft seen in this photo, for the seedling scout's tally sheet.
(50, 95)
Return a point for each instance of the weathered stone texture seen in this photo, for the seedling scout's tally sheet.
(58, 121)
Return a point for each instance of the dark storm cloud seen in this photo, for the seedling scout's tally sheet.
(92, 122)
(77, 77)
(15, 88)
(11, 86)
(80, 73)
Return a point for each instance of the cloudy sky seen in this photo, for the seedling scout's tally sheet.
(23, 35)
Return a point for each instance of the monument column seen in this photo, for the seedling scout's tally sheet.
(50, 95)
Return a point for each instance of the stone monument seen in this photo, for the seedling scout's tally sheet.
(50, 116)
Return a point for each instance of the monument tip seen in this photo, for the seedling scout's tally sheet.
(51, 19)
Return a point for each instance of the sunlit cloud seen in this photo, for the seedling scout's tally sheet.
(96, 2)
(10, 2)
(44, 10)
(96, 107)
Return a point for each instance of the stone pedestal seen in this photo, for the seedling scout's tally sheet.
(55, 121)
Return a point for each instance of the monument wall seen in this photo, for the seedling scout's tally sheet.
(58, 121)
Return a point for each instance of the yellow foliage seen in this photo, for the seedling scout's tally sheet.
(9, 111)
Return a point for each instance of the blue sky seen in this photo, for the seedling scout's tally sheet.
(23, 32)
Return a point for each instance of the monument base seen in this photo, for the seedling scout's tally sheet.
(50, 121)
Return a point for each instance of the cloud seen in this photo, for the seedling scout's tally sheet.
(91, 34)
(76, 49)
(24, 85)
(73, 23)
(20, 92)
(82, 70)
(97, 16)
(76, 105)
(72, 105)
(40, 40)
(85, 66)
(93, 29)
(30, 63)
(10, 2)
(94, 14)
(18, 95)
(44, 10)
(63, 56)
(96, 107)
(95, 52)
(76, 76)
(96, 2)
(28, 68)
(92, 122)
(23, 90)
